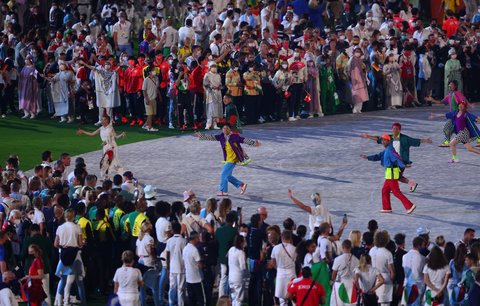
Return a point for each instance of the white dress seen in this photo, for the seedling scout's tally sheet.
(106, 88)
(60, 85)
(213, 95)
(109, 161)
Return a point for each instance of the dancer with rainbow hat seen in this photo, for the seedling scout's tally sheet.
(463, 125)
(393, 164)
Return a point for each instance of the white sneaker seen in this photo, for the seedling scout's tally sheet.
(310, 116)
(170, 126)
(4, 116)
(26, 116)
(70, 120)
(292, 119)
(152, 129)
(33, 116)
(207, 127)
(261, 120)
(62, 120)
(298, 117)
(145, 127)
(215, 127)
(98, 123)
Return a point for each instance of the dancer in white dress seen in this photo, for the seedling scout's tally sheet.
(109, 161)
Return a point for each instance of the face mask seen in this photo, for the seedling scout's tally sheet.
(30, 216)
(390, 24)
(342, 37)
(203, 14)
(284, 66)
(243, 234)
(176, 70)
(170, 61)
(250, 69)
(125, 59)
(362, 23)
(369, 18)
(218, 27)
(194, 13)
(16, 222)
(330, 52)
(210, 58)
(154, 73)
(213, 69)
(296, 54)
(451, 42)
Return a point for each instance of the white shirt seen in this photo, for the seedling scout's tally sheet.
(421, 36)
(396, 145)
(228, 27)
(162, 227)
(367, 280)
(413, 263)
(324, 245)
(215, 48)
(318, 215)
(381, 259)
(266, 17)
(175, 246)
(171, 36)
(284, 255)
(123, 32)
(38, 216)
(7, 298)
(237, 265)
(184, 32)
(68, 234)
(191, 258)
(345, 265)
(143, 247)
(127, 279)
(436, 276)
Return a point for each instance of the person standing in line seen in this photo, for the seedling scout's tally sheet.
(151, 94)
(368, 280)
(283, 259)
(342, 276)
(413, 263)
(232, 154)
(305, 290)
(382, 260)
(212, 84)
(176, 266)
(126, 281)
(237, 265)
(401, 143)
(393, 164)
(356, 71)
(193, 266)
(436, 274)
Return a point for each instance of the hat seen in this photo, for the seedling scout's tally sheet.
(211, 63)
(187, 195)
(386, 137)
(465, 103)
(452, 51)
(423, 231)
(150, 192)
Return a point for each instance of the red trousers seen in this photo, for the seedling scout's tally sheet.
(392, 185)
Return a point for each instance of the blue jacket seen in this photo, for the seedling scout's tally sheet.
(471, 126)
(388, 158)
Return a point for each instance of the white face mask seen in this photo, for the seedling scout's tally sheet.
(250, 69)
(342, 37)
(243, 234)
(170, 62)
(218, 27)
(16, 221)
(154, 73)
(210, 58)
(235, 68)
(284, 66)
(213, 69)
(296, 54)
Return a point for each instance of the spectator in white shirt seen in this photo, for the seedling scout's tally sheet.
(176, 266)
(121, 34)
(163, 229)
(267, 15)
(413, 263)
(169, 37)
(81, 25)
(237, 268)
(38, 216)
(248, 17)
(193, 267)
(200, 26)
(420, 33)
(288, 23)
(218, 30)
(126, 280)
(228, 27)
(343, 272)
(7, 298)
(216, 46)
(436, 274)
(283, 259)
(193, 221)
(186, 31)
(382, 260)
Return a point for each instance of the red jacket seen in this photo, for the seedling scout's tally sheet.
(133, 79)
(450, 25)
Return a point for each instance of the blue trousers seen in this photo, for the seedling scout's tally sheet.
(227, 177)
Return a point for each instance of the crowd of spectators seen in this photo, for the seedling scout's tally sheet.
(69, 237)
(172, 61)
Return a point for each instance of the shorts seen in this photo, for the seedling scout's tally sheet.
(151, 109)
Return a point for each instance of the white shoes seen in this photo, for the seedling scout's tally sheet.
(170, 126)
(98, 123)
(26, 116)
(291, 119)
(33, 116)
(70, 120)
(152, 129)
(63, 120)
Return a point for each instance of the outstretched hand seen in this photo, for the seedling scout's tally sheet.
(258, 143)
(432, 116)
(290, 193)
(364, 156)
(123, 135)
(79, 132)
(364, 135)
(428, 140)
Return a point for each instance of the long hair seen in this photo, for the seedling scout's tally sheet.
(436, 259)
(365, 260)
(146, 228)
(459, 259)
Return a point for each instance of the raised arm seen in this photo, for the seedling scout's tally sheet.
(202, 136)
(433, 116)
(367, 136)
(80, 132)
(298, 203)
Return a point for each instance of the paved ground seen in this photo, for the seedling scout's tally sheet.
(322, 155)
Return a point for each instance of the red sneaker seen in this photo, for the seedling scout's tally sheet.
(140, 122)
(133, 122)
(124, 120)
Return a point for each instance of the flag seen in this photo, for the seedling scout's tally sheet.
(376, 67)
(411, 294)
(321, 275)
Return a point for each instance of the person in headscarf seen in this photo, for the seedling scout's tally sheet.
(106, 88)
(62, 92)
(212, 84)
(453, 71)
(356, 72)
(28, 89)
(394, 89)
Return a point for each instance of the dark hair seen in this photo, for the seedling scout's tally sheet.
(177, 206)
(255, 220)
(459, 259)
(288, 224)
(287, 235)
(162, 208)
(468, 230)
(301, 231)
(399, 238)
(418, 242)
(231, 217)
(455, 83)
(46, 155)
(367, 238)
(347, 244)
(176, 228)
(64, 201)
(372, 225)
(306, 272)
(238, 241)
(449, 251)
(117, 179)
(436, 259)
(472, 256)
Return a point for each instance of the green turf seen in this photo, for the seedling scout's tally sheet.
(29, 138)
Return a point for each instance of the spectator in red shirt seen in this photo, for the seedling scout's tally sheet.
(198, 72)
(133, 81)
(306, 291)
(450, 25)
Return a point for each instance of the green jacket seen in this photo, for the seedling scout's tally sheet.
(405, 143)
